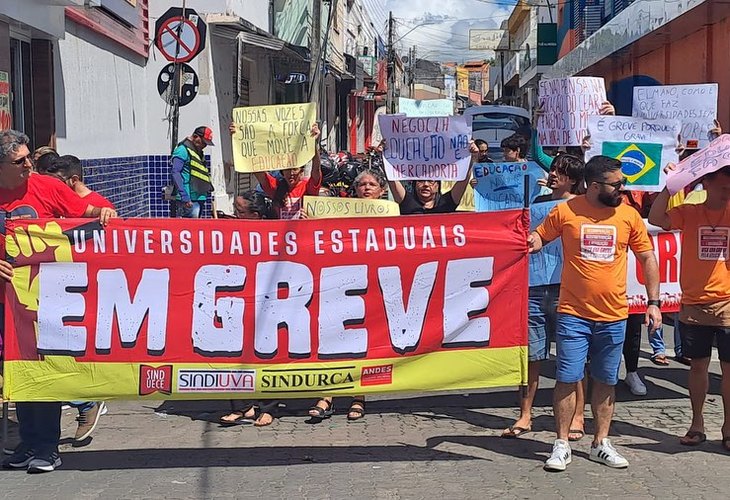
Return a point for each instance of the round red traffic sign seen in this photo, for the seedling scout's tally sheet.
(178, 39)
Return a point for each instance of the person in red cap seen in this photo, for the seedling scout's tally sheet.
(190, 175)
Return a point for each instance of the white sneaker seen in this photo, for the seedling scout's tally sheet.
(606, 454)
(560, 457)
(636, 385)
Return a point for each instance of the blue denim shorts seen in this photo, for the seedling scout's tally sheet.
(577, 338)
(542, 319)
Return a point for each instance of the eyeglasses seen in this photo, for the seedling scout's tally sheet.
(615, 185)
(21, 161)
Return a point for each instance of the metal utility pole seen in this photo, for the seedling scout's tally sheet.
(391, 67)
(176, 87)
(315, 49)
(501, 64)
(414, 69)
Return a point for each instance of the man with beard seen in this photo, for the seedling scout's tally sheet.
(596, 230)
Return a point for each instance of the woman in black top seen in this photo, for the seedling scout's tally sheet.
(427, 198)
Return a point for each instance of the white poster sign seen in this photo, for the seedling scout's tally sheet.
(695, 106)
(425, 107)
(566, 105)
(643, 146)
(435, 148)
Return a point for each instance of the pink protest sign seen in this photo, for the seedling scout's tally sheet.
(712, 158)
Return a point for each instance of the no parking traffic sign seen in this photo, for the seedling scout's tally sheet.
(180, 38)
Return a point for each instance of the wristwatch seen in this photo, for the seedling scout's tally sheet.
(657, 303)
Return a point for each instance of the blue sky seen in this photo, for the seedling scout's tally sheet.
(447, 38)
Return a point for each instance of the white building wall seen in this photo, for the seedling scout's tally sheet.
(100, 97)
(108, 105)
(38, 14)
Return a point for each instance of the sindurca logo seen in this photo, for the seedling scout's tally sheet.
(216, 381)
(308, 379)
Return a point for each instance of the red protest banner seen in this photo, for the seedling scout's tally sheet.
(668, 250)
(185, 309)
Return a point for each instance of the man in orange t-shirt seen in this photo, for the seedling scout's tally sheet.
(597, 231)
(704, 315)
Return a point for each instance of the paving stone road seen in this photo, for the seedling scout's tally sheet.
(418, 446)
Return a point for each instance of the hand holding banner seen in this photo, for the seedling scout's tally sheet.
(566, 104)
(435, 148)
(501, 186)
(183, 309)
(273, 137)
(325, 207)
(643, 146)
(712, 158)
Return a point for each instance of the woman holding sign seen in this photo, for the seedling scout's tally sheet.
(427, 198)
(368, 185)
(288, 191)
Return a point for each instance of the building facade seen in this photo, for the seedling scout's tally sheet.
(656, 43)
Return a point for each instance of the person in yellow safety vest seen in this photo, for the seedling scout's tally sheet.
(190, 175)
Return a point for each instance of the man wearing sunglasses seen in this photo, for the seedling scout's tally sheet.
(596, 231)
(31, 196)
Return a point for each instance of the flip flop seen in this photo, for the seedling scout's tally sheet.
(581, 433)
(660, 359)
(693, 438)
(241, 419)
(513, 432)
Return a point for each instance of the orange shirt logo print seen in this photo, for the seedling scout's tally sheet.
(598, 242)
(713, 243)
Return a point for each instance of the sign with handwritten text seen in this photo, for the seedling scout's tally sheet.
(426, 107)
(547, 264)
(435, 148)
(711, 159)
(325, 207)
(643, 146)
(695, 106)
(501, 186)
(273, 137)
(566, 105)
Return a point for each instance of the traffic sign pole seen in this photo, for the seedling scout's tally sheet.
(176, 88)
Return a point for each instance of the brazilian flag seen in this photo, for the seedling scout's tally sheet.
(640, 162)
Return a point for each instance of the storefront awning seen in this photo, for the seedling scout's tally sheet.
(237, 28)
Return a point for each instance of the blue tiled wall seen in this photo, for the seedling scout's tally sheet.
(124, 181)
(134, 184)
(159, 177)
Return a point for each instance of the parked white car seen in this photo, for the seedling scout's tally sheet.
(496, 122)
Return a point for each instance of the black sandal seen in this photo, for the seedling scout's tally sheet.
(358, 411)
(322, 413)
(241, 417)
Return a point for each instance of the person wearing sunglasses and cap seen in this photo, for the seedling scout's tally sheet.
(190, 174)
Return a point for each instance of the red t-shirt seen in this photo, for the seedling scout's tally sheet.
(96, 200)
(41, 197)
(292, 206)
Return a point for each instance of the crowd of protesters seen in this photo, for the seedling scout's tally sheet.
(586, 314)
